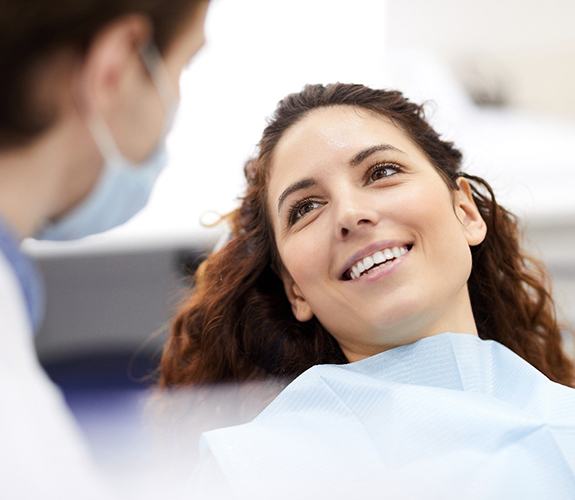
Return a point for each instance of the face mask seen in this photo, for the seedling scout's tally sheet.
(124, 187)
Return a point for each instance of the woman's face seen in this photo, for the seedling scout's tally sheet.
(373, 242)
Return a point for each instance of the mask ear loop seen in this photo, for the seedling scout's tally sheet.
(104, 140)
(158, 72)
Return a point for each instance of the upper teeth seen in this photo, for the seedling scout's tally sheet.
(378, 257)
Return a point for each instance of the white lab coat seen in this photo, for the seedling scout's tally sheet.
(42, 454)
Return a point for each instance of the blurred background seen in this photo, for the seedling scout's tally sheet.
(498, 78)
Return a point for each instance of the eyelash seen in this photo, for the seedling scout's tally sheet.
(380, 167)
(293, 209)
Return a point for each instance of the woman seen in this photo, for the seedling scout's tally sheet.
(360, 241)
(87, 94)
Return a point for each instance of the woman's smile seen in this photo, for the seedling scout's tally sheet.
(375, 256)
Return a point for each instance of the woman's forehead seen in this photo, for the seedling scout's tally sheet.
(333, 135)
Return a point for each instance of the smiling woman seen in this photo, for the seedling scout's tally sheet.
(361, 247)
(358, 233)
(367, 202)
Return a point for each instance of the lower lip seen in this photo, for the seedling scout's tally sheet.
(383, 270)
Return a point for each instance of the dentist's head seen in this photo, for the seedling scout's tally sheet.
(88, 94)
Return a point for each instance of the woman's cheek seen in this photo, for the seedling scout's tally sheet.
(304, 256)
(293, 257)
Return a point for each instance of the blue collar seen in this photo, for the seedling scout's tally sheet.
(27, 274)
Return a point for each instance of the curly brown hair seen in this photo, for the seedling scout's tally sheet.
(238, 325)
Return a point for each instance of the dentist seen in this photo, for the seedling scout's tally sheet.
(87, 95)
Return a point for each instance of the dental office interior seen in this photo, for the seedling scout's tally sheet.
(498, 79)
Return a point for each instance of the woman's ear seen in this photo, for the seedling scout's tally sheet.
(468, 214)
(299, 305)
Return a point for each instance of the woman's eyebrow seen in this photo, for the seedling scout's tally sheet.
(356, 160)
(364, 153)
(292, 188)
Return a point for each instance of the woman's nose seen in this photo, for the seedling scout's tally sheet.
(354, 216)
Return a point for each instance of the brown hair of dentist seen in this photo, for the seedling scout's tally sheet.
(33, 31)
(237, 323)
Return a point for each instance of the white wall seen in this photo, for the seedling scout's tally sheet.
(525, 46)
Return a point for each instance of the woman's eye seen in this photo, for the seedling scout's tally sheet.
(302, 208)
(382, 170)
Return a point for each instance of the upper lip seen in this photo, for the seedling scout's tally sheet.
(370, 250)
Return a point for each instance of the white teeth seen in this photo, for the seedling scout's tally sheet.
(378, 257)
(368, 262)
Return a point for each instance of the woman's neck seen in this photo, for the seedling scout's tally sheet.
(455, 317)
